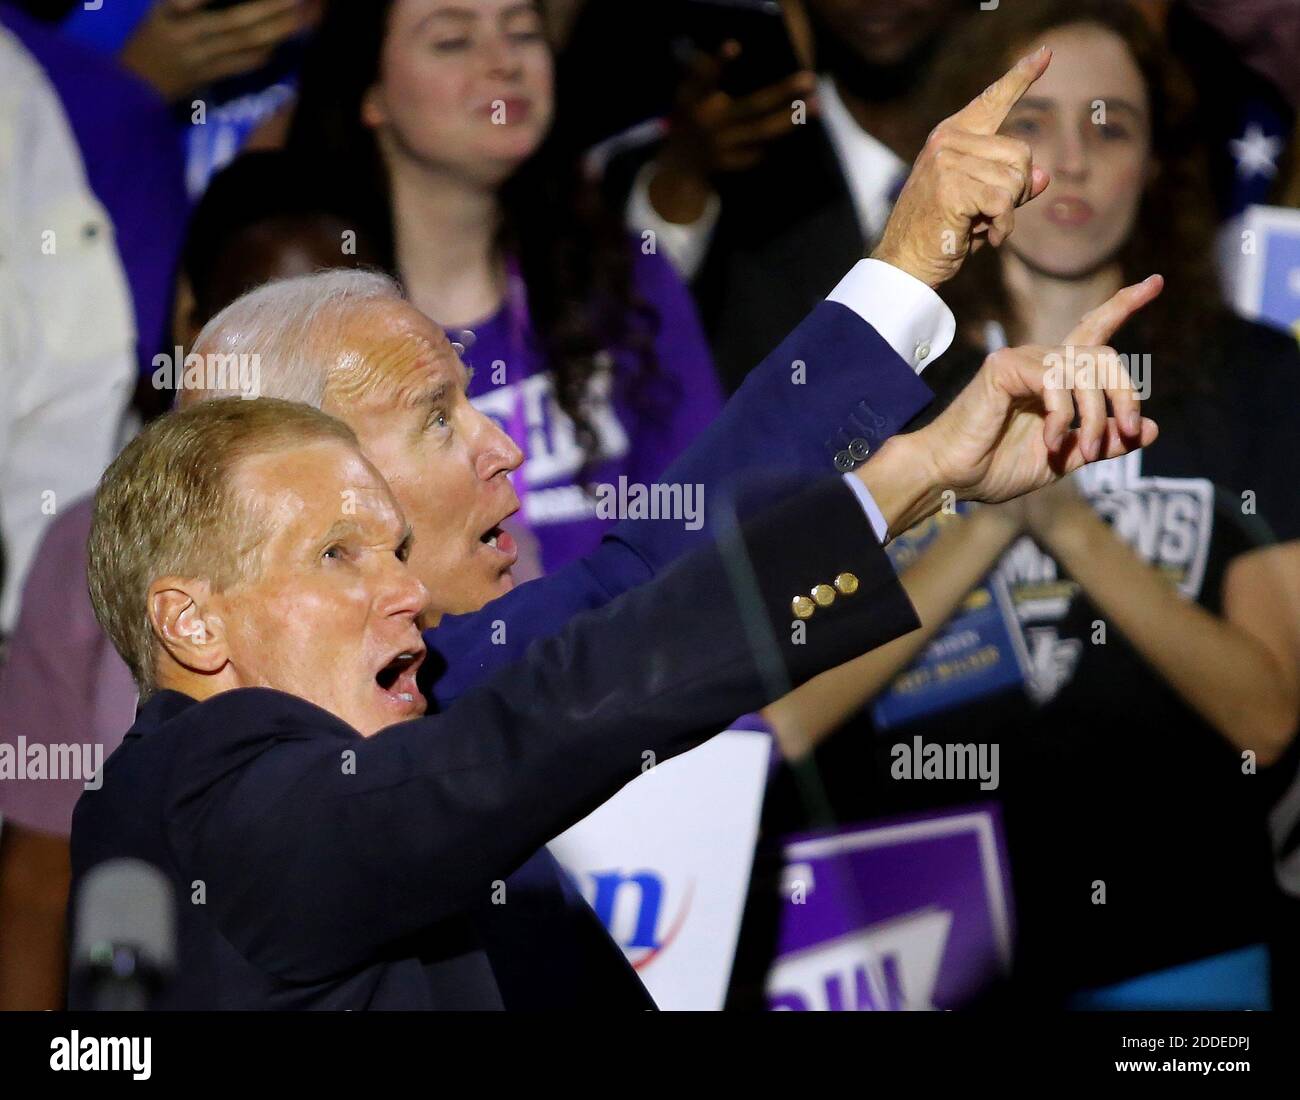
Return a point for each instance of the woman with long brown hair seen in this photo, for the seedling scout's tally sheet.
(1158, 598)
(431, 124)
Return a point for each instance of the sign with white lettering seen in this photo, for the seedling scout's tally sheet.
(912, 914)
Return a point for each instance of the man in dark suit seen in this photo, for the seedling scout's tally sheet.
(329, 847)
(843, 382)
(902, 479)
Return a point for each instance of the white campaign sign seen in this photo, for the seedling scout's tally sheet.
(666, 865)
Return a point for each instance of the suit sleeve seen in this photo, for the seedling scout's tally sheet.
(830, 382)
(320, 849)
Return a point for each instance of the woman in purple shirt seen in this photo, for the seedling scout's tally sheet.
(433, 123)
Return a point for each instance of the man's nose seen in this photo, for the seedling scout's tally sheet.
(403, 593)
(496, 453)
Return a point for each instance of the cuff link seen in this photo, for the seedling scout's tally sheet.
(823, 595)
(921, 351)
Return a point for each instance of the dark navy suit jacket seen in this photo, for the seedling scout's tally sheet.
(316, 868)
(855, 388)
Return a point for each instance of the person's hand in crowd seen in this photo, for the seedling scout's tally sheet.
(1054, 508)
(181, 45)
(966, 183)
(712, 133)
(1042, 513)
(1008, 432)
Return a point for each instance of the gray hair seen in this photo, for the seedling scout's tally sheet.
(293, 327)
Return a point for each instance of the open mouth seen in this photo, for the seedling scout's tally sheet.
(502, 541)
(396, 680)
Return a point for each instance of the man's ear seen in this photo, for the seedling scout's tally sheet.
(187, 625)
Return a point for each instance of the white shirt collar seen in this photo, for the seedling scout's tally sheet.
(871, 168)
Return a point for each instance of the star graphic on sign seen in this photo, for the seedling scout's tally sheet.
(1256, 152)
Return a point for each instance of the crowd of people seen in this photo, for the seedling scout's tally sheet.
(616, 212)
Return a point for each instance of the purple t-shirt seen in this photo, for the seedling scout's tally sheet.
(642, 423)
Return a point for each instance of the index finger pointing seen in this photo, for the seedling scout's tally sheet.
(1099, 325)
(987, 111)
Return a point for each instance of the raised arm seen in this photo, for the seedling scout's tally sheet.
(828, 397)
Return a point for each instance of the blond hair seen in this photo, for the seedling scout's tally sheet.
(166, 507)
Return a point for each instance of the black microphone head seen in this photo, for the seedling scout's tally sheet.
(125, 908)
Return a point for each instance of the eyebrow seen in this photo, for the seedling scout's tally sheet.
(432, 395)
(344, 527)
(437, 392)
(460, 14)
(1115, 103)
(340, 529)
(468, 15)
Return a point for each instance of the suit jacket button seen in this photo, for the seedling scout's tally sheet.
(847, 584)
(859, 449)
(844, 461)
(823, 595)
(802, 607)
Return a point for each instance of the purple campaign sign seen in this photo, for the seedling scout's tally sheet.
(912, 913)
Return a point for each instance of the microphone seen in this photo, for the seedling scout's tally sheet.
(124, 944)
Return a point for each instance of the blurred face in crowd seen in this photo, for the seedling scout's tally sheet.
(1087, 120)
(884, 32)
(326, 575)
(402, 390)
(463, 84)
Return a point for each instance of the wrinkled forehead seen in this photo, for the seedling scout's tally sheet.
(296, 495)
(390, 354)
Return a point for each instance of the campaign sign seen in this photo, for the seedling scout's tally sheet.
(980, 651)
(910, 914)
(666, 864)
(1260, 251)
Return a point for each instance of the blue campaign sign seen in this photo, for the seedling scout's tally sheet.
(1259, 256)
(980, 651)
(1280, 288)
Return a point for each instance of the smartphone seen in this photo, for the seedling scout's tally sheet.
(766, 53)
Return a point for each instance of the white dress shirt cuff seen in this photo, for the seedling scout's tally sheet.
(869, 505)
(684, 245)
(910, 317)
